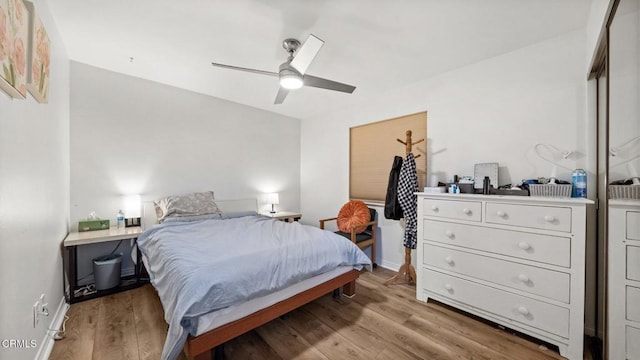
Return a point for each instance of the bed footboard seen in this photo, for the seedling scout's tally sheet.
(202, 347)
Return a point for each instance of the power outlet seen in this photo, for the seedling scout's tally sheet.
(39, 308)
(44, 307)
(36, 307)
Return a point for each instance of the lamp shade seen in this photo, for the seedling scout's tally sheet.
(273, 198)
(132, 206)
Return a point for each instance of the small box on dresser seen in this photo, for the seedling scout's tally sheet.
(624, 279)
(517, 261)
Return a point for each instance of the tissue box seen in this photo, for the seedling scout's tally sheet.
(89, 225)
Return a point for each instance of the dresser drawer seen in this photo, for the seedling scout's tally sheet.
(535, 217)
(547, 249)
(633, 263)
(633, 303)
(633, 225)
(633, 342)
(538, 314)
(453, 209)
(535, 280)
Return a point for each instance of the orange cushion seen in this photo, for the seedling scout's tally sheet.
(353, 213)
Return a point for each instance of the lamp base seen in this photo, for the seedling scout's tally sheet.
(131, 222)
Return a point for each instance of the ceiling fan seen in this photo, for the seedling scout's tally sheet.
(292, 73)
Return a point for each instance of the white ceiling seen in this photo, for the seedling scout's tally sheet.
(373, 44)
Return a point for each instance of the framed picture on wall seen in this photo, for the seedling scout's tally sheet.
(14, 37)
(39, 57)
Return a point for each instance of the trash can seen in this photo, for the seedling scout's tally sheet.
(106, 271)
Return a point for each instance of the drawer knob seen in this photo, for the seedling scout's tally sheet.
(449, 233)
(448, 287)
(524, 278)
(434, 208)
(466, 211)
(524, 245)
(501, 213)
(549, 218)
(448, 260)
(523, 310)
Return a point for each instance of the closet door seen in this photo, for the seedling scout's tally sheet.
(623, 290)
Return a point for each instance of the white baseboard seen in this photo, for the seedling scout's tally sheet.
(46, 346)
(389, 265)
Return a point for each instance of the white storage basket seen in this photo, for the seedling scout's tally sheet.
(550, 190)
(624, 191)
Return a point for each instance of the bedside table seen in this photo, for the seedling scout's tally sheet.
(285, 216)
(70, 259)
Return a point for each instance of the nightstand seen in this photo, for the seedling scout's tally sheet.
(70, 259)
(285, 216)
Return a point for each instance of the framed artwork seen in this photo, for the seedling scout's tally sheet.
(39, 57)
(14, 37)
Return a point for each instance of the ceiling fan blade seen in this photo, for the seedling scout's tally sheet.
(282, 93)
(313, 81)
(263, 72)
(306, 54)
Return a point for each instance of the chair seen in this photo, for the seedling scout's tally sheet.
(364, 239)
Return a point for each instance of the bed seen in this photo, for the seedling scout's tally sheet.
(219, 277)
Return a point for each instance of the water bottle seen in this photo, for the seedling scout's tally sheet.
(579, 182)
(120, 219)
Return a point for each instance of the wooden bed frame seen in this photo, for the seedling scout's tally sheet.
(203, 347)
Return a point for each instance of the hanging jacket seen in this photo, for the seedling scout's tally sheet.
(392, 208)
(407, 187)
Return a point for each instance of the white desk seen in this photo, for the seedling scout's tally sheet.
(98, 236)
(70, 258)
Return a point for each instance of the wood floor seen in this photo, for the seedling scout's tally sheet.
(378, 323)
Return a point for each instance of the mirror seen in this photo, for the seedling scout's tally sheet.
(624, 91)
(622, 203)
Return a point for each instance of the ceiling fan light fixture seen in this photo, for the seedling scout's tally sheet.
(292, 74)
(291, 81)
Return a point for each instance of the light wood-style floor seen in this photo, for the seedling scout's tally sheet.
(378, 323)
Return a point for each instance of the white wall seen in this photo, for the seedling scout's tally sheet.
(491, 111)
(34, 201)
(595, 23)
(130, 135)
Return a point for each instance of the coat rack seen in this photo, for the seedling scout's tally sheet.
(406, 270)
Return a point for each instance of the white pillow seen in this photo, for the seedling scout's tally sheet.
(199, 203)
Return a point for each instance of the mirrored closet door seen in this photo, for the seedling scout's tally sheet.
(616, 74)
(623, 184)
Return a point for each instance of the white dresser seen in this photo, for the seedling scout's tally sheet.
(624, 280)
(515, 260)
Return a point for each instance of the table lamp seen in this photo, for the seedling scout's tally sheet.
(554, 156)
(132, 205)
(273, 199)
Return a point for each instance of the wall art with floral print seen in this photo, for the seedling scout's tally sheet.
(39, 57)
(14, 37)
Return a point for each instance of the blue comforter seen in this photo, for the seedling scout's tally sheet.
(199, 267)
